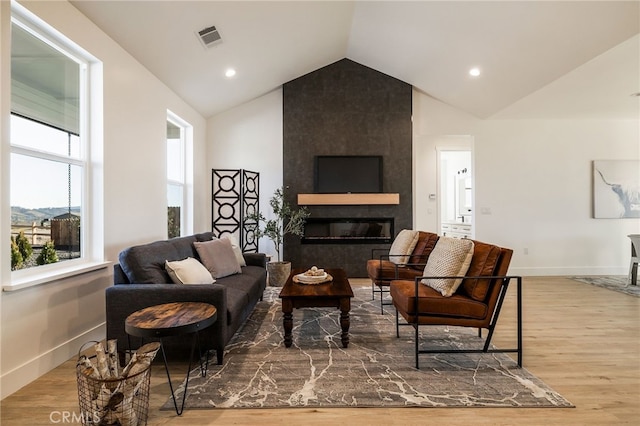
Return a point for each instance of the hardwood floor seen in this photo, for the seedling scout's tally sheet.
(581, 340)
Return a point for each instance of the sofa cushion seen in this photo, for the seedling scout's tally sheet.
(484, 262)
(426, 242)
(145, 264)
(403, 246)
(244, 282)
(188, 271)
(431, 302)
(203, 236)
(383, 271)
(237, 302)
(218, 257)
(451, 257)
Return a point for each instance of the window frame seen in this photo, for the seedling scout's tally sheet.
(92, 235)
(186, 155)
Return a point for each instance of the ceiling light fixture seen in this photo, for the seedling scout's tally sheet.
(474, 72)
(230, 72)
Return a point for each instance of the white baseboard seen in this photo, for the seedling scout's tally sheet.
(567, 271)
(24, 374)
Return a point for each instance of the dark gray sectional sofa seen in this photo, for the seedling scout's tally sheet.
(140, 280)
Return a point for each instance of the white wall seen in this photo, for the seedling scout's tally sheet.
(532, 178)
(45, 325)
(250, 137)
(533, 183)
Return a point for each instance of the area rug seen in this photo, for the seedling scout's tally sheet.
(617, 283)
(376, 370)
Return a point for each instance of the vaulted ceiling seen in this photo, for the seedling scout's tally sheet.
(521, 48)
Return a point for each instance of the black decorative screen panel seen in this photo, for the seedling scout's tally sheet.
(235, 195)
(250, 199)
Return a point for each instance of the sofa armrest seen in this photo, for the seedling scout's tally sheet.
(119, 277)
(255, 259)
(123, 300)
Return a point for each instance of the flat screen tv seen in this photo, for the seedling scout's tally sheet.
(341, 174)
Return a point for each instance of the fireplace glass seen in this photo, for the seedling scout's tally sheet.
(348, 231)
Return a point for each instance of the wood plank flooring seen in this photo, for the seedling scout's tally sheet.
(583, 341)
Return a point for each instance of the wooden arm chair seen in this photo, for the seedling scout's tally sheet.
(476, 303)
(382, 270)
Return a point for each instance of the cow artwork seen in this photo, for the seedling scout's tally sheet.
(616, 189)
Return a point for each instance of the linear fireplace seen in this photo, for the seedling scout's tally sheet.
(348, 230)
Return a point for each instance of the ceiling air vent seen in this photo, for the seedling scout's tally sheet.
(209, 37)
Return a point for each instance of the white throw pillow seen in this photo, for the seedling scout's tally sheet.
(403, 246)
(236, 248)
(188, 271)
(450, 257)
(218, 257)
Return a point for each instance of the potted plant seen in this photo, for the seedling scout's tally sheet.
(286, 221)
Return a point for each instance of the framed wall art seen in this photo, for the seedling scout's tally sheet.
(616, 189)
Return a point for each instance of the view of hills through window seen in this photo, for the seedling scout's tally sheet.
(47, 159)
(45, 199)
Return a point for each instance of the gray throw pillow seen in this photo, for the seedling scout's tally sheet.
(218, 257)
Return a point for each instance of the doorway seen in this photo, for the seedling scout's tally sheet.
(456, 192)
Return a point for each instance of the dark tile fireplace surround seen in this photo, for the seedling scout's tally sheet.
(347, 109)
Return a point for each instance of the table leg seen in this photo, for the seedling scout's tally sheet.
(287, 322)
(186, 385)
(345, 307)
(203, 367)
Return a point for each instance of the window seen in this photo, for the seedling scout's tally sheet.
(51, 179)
(179, 174)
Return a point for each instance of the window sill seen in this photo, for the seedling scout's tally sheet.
(33, 280)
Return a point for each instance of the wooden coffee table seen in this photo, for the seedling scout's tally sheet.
(333, 294)
(173, 319)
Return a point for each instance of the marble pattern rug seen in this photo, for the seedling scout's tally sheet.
(376, 370)
(619, 283)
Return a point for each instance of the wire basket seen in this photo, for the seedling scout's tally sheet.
(122, 401)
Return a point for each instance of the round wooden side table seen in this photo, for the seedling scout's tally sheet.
(174, 319)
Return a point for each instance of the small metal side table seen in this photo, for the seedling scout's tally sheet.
(173, 319)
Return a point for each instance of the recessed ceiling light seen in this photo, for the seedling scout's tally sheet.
(474, 72)
(230, 72)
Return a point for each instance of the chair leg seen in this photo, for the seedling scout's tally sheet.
(397, 324)
(633, 273)
(490, 329)
(417, 347)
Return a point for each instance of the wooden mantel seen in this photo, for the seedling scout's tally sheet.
(347, 199)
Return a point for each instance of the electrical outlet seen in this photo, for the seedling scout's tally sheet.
(526, 250)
